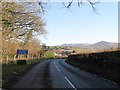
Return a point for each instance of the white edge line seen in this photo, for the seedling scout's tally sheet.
(70, 83)
(103, 78)
(106, 79)
(109, 80)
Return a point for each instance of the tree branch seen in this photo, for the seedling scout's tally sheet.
(70, 3)
(80, 2)
(92, 4)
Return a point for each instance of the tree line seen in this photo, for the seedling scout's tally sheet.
(21, 23)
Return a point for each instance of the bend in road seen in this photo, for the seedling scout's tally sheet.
(58, 74)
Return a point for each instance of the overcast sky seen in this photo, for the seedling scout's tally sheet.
(81, 25)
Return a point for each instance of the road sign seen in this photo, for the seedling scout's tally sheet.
(22, 51)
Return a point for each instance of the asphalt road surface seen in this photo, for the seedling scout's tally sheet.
(58, 74)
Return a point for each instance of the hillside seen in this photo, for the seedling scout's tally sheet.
(96, 46)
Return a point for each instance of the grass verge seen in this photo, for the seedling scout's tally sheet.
(12, 72)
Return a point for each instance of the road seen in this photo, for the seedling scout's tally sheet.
(58, 74)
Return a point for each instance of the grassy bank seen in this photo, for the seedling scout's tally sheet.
(105, 72)
(12, 72)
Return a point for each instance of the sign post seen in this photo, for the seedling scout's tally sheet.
(22, 56)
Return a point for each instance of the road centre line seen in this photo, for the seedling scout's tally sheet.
(66, 78)
(56, 67)
(70, 83)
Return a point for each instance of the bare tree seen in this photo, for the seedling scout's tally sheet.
(20, 23)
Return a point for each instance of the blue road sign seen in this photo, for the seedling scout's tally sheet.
(22, 51)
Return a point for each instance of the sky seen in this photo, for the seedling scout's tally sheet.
(80, 24)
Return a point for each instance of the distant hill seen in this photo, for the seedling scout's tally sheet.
(103, 45)
(98, 45)
(77, 45)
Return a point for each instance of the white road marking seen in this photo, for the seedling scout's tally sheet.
(70, 83)
(56, 67)
(105, 79)
(54, 63)
(108, 80)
